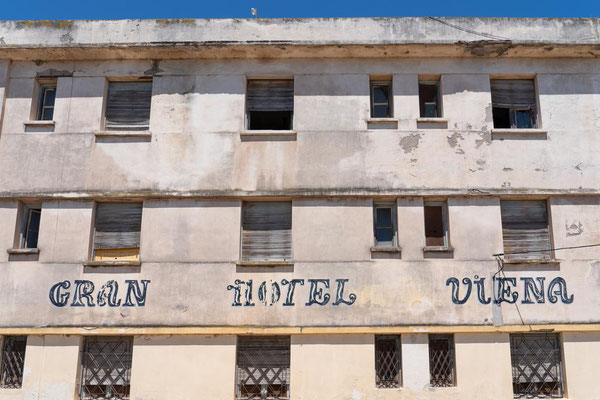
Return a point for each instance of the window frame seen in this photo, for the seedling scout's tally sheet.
(248, 122)
(124, 127)
(43, 87)
(124, 257)
(534, 112)
(373, 83)
(394, 226)
(438, 103)
(26, 211)
(3, 343)
(445, 221)
(398, 342)
(250, 260)
(521, 257)
(449, 338)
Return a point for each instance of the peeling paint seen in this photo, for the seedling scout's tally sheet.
(507, 169)
(453, 139)
(410, 142)
(485, 137)
(573, 227)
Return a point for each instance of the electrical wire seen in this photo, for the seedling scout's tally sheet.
(485, 35)
(547, 250)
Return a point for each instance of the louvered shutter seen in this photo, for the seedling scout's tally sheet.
(128, 105)
(513, 93)
(525, 229)
(263, 360)
(118, 225)
(270, 95)
(267, 231)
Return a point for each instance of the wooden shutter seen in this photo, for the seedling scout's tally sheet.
(525, 229)
(128, 105)
(267, 231)
(118, 225)
(513, 93)
(270, 95)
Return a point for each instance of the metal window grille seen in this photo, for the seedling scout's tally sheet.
(388, 367)
(13, 360)
(536, 366)
(441, 361)
(263, 368)
(106, 368)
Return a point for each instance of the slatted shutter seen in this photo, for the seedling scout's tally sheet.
(513, 93)
(270, 95)
(525, 229)
(118, 226)
(128, 105)
(267, 231)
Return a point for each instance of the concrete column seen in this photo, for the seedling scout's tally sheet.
(415, 361)
(406, 100)
(4, 74)
(411, 227)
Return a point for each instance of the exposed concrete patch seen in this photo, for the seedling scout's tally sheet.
(489, 113)
(487, 48)
(497, 317)
(410, 142)
(54, 73)
(485, 137)
(155, 68)
(66, 38)
(573, 227)
(453, 139)
(507, 169)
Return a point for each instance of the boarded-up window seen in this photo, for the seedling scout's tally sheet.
(536, 365)
(13, 360)
(267, 231)
(106, 368)
(263, 367)
(525, 229)
(388, 365)
(117, 231)
(514, 103)
(436, 223)
(441, 361)
(384, 224)
(270, 104)
(128, 105)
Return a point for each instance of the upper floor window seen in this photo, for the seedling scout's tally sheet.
(128, 105)
(45, 103)
(267, 231)
(270, 104)
(388, 363)
(436, 223)
(385, 225)
(441, 361)
(263, 367)
(30, 226)
(381, 99)
(117, 231)
(13, 361)
(525, 229)
(429, 99)
(514, 103)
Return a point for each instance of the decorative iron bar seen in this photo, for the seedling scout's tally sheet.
(106, 368)
(13, 360)
(441, 361)
(536, 365)
(388, 369)
(263, 368)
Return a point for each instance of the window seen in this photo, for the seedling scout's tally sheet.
(267, 231)
(388, 365)
(436, 223)
(46, 97)
(514, 103)
(270, 104)
(30, 227)
(117, 231)
(381, 99)
(536, 365)
(385, 225)
(128, 105)
(525, 229)
(263, 367)
(429, 99)
(441, 361)
(106, 367)
(13, 360)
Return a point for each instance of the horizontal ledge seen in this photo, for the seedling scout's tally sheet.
(112, 263)
(534, 261)
(386, 249)
(123, 134)
(515, 131)
(264, 263)
(39, 123)
(438, 249)
(23, 251)
(433, 120)
(268, 133)
(381, 120)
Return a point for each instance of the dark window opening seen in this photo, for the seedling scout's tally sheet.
(501, 117)
(388, 364)
(128, 105)
(47, 96)
(31, 227)
(514, 103)
(13, 360)
(270, 104)
(381, 99)
(429, 99)
(384, 218)
(441, 361)
(436, 225)
(270, 120)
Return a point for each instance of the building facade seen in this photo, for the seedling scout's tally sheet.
(300, 209)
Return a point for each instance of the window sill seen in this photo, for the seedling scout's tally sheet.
(386, 249)
(122, 263)
(23, 251)
(142, 134)
(438, 249)
(39, 123)
(432, 123)
(382, 123)
(516, 131)
(258, 132)
(433, 120)
(516, 261)
(264, 263)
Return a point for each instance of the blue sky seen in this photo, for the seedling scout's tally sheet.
(118, 9)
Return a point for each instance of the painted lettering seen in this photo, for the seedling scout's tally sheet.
(316, 295)
(83, 294)
(58, 298)
(339, 295)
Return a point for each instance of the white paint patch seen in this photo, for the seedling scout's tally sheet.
(356, 395)
(420, 330)
(26, 371)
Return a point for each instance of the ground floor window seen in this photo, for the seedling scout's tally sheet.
(536, 365)
(106, 367)
(263, 367)
(388, 365)
(13, 360)
(442, 370)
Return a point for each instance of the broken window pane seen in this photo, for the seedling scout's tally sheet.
(435, 224)
(380, 99)
(429, 99)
